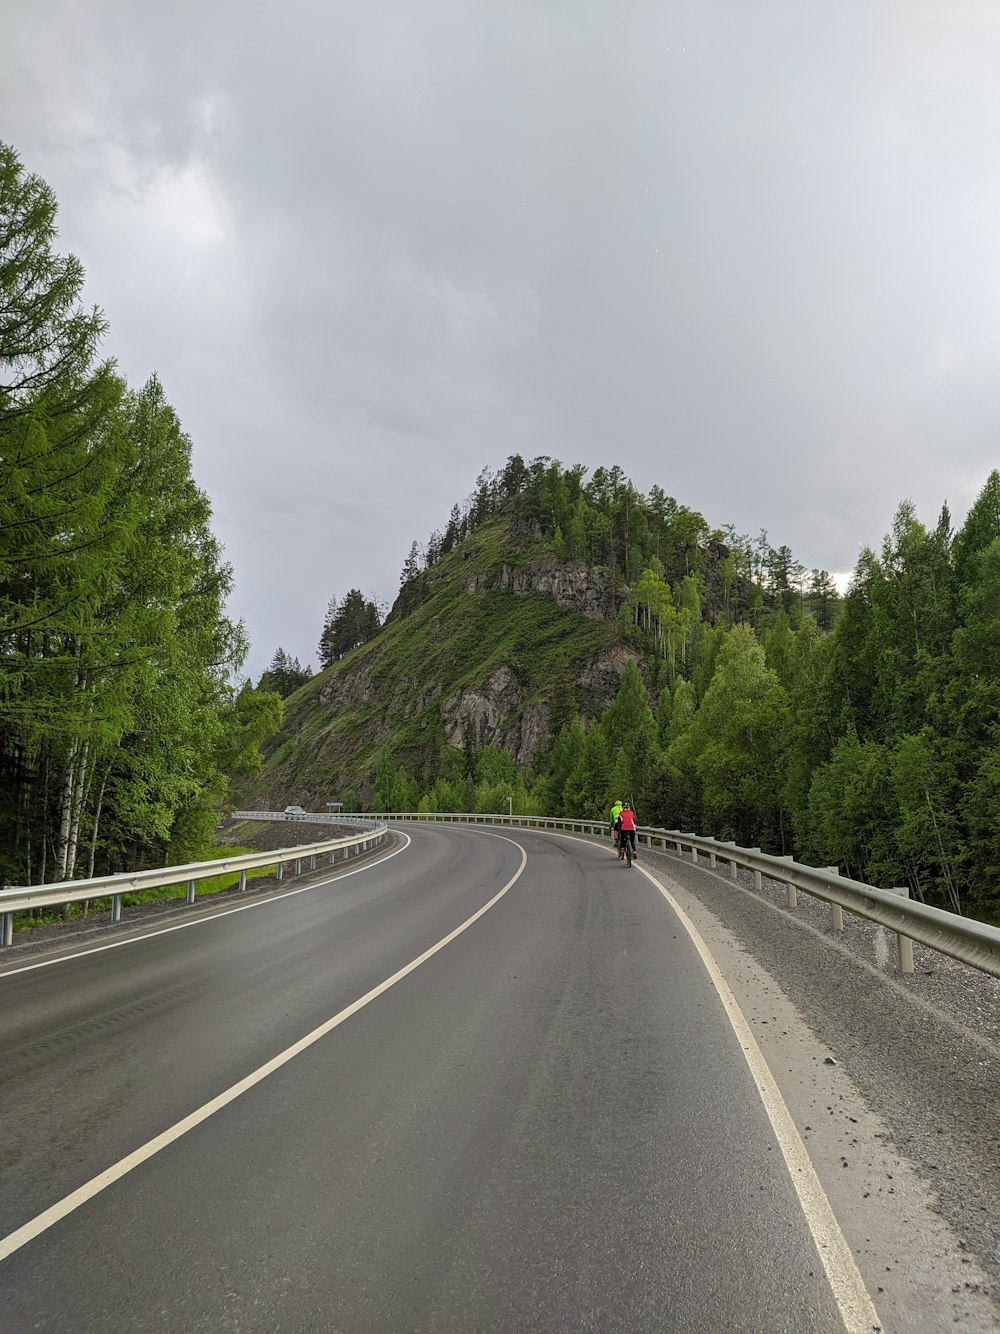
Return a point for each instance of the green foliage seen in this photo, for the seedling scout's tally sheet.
(734, 745)
(585, 792)
(852, 805)
(117, 712)
(405, 793)
(256, 715)
(284, 675)
(563, 759)
(675, 713)
(862, 732)
(348, 625)
(630, 733)
(494, 768)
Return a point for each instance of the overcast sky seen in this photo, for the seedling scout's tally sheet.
(750, 252)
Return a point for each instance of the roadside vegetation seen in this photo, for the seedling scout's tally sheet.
(205, 888)
(119, 719)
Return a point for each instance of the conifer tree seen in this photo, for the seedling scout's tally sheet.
(116, 708)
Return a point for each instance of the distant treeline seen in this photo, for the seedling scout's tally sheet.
(667, 551)
(603, 520)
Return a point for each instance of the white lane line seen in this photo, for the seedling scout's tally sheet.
(209, 916)
(849, 1291)
(15, 1240)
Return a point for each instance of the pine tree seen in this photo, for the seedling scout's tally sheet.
(284, 675)
(324, 651)
(412, 565)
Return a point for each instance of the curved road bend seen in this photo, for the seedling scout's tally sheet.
(549, 1124)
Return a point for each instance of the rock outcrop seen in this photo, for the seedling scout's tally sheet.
(570, 583)
(497, 713)
(321, 743)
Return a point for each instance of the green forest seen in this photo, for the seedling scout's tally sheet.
(860, 732)
(119, 720)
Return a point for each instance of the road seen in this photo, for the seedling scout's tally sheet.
(336, 1110)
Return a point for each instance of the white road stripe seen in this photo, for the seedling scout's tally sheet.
(856, 1309)
(209, 916)
(15, 1240)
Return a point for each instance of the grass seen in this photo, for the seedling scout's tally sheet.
(212, 884)
(450, 642)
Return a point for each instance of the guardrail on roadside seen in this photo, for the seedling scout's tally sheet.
(971, 942)
(974, 943)
(14, 899)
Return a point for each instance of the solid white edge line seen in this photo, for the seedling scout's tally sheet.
(43, 1221)
(210, 916)
(852, 1297)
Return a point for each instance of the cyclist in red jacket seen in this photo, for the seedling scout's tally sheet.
(626, 826)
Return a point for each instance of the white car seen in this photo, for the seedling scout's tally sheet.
(294, 810)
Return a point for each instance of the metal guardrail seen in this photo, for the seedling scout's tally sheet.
(971, 942)
(14, 899)
(963, 938)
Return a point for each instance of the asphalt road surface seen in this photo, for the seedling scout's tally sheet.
(287, 1118)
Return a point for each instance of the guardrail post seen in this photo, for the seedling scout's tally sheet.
(116, 907)
(904, 945)
(243, 879)
(791, 896)
(279, 871)
(836, 911)
(7, 929)
(711, 858)
(904, 952)
(190, 891)
(733, 868)
(694, 854)
(298, 866)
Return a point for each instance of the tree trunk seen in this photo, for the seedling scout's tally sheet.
(66, 810)
(97, 821)
(78, 791)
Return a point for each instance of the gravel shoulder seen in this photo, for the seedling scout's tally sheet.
(890, 1074)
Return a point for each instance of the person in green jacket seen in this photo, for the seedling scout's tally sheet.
(616, 810)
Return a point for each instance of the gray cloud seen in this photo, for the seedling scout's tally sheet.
(748, 252)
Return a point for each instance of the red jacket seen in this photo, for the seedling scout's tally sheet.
(626, 820)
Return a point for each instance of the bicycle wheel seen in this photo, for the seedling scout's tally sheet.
(628, 852)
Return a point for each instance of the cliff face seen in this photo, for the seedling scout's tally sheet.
(569, 583)
(486, 711)
(470, 656)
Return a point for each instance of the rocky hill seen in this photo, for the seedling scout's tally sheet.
(500, 642)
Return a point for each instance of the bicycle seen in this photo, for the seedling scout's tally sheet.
(625, 847)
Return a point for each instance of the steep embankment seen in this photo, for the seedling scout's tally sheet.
(500, 642)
